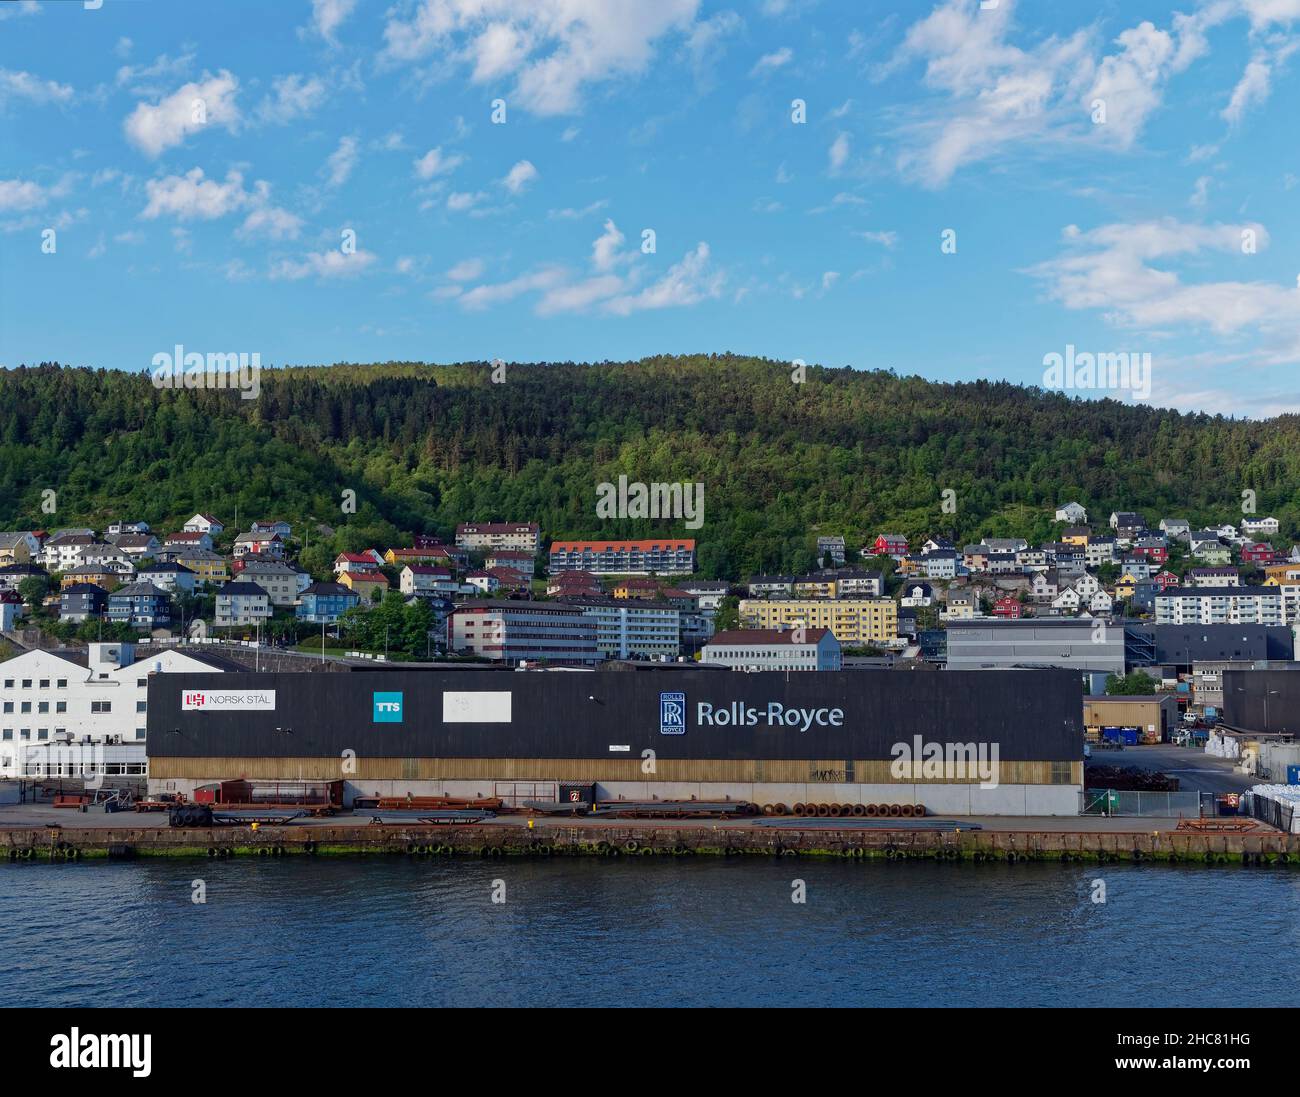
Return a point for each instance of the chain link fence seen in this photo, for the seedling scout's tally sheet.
(1153, 805)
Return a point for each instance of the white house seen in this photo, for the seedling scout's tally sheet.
(242, 604)
(916, 594)
(425, 579)
(204, 523)
(1074, 513)
(483, 581)
(75, 714)
(1259, 527)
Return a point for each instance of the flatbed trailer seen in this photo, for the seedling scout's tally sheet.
(435, 817)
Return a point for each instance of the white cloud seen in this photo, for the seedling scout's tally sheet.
(1113, 269)
(886, 239)
(829, 278)
(552, 47)
(341, 162)
(23, 7)
(324, 264)
(433, 163)
(191, 197)
(291, 97)
(1200, 192)
(271, 222)
(571, 214)
(164, 68)
(467, 270)
(23, 85)
(328, 15)
(21, 194)
(770, 62)
(519, 177)
(155, 128)
(459, 201)
(687, 283)
(481, 297)
(838, 155)
(604, 251)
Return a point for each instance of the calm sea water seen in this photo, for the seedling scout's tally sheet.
(645, 932)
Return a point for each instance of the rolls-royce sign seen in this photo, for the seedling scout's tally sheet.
(222, 700)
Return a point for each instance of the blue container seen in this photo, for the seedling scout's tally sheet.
(1293, 775)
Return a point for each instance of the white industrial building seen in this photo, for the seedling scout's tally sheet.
(774, 649)
(81, 713)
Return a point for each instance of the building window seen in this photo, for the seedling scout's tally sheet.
(27, 683)
(61, 683)
(27, 706)
(99, 707)
(140, 706)
(9, 706)
(45, 683)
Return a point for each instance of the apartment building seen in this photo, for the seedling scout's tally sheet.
(519, 536)
(628, 628)
(534, 631)
(1219, 606)
(649, 556)
(242, 603)
(282, 583)
(851, 620)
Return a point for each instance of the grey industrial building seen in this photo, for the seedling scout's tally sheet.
(1070, 643)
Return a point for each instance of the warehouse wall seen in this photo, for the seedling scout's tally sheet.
(1032, 716)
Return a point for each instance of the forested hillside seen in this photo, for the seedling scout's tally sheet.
(424, 447)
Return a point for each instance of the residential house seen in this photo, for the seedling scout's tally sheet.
(1008, 606)
(204, 523)
(486, 583)
(887, 544)
(937, 544)
(916, 594)
(517, 559)
(1099, 550)
(136, 545)
(1213, 552)
(821, 585)
(1074, 513)
(1178, 528)
(189, 538)
(855, 583)
(18, 547)
(508, 579)
(1076, 535)
(276, 526)
(941, 564)
(241, 603)
(281, 582)
(832, 547)
(1154, 549)
(118, 528)
(356, 563)
(366, 585)
(1137, 566)
(642, 589)
(1213, 577)
(1127, 524)
(1068, 601)
(267, 544)
(1260, 527)
(961, 605)
(325, 603)
(575, 583)
(852, 620)
(1200, 537)
(80, 601)
(426, 579)
(1045, 586)
(105, 576)
(175, 579)
(140, 604)
(60, 552)
(1257, 553)
(209, 568)
(1163, 580)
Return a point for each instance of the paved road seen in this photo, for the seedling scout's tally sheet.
(1198, 771)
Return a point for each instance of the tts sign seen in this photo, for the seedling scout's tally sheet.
(388, 708)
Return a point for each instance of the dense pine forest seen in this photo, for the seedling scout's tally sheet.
(424, 447)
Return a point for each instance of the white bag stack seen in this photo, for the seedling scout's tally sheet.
(1221, 746)
(1283, 794)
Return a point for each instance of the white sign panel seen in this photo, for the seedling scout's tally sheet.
(476, 708)
(226, 700)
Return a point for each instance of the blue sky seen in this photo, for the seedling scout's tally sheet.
(1120, 177)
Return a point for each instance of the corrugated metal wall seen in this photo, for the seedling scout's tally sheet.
(1031, 716)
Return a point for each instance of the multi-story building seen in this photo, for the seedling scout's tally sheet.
(1214, 577)
(853, 620)
(356, 563)
(60, 552)
(832, 547)
(280, 581)
(774, 649)
(82, 714)
(1260, 527)
(483, 581)
(628, 628)
(174, 578)
(266, 544)
(574, 583)
(325, 603)
(1074, 513)
(1219, 606)
(278, 526)
(509, 632)
(79, 601)
(1075, 643)
(242, 603)
(426, 579)
(108, 576)
(368, 587)
(210, 569)
(520, 536)
(188, 538)
(887, 544)
(140, 604)
(818, 585)
(764, 586)
(649, 556)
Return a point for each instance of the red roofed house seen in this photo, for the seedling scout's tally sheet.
(889, 544)
(1007, 607)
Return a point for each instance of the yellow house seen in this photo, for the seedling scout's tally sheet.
(364, 586)
(1124, 587)
(851, 620)
(1076, 536)
(14, 549)
(1279, 574)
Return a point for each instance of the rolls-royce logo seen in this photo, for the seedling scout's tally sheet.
(672, 714)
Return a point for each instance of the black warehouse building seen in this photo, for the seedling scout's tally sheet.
(675, 732)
